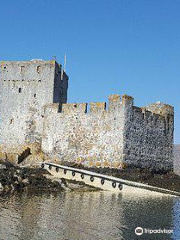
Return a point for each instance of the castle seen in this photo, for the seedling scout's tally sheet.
(34, 109)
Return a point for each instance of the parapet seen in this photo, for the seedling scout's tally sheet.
(51, 108)
(145, 113)
(97, 107)
(161, 108)
(157, 111)
(33, 70)
(117, 101)
(74, 108)
(5, 64)
(127, 100)
(155, 114)
(114, 98)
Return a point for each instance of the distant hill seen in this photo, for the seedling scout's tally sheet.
(177, 159)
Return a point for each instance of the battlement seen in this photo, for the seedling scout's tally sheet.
(149, 117)
(34, 109)
(161, 108)
(115, 102)
(35, 62)
(97, 107)
(120, 101)
(154, 112)
(33, 70)
(51, 108)
(143, 112)
(74, 108)
(104, 134)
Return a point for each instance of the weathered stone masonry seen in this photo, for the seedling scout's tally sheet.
(120, 135)
(33, 109)
(149, 136)
(25, 87)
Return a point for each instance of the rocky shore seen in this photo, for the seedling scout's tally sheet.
(16, 179)
(21, 178)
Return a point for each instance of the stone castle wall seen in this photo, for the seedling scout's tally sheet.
(77, 135)
(120, 135)
(26, 86)
(149, 136)
(33, 109)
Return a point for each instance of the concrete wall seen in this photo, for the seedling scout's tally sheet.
(25, 87)
(95, 137)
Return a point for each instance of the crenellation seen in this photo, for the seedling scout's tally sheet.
(127, 101)
(69, 108)
(138, 112)
(151, 136)
(34, 109)
(51, 108)
(115, 103)
(148, 116)
(97, 107)
(24, 70)
(161, 108)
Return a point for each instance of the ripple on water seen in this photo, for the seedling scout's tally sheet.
(88, 215)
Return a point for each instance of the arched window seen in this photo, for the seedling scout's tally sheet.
(20, 90)
(22, 68)
(12, 120)
(38, 69)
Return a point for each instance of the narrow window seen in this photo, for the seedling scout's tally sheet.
(38, 69)
(12, 119)
(22, 68)
(20, 90)
(61, 91)
(35, 95)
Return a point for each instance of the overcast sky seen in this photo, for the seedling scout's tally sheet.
(112, 46)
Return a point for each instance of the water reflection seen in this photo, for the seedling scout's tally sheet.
(176, 218)
(88, 215)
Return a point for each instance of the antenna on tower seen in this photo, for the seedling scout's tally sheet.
(65, 62)
(64, 69)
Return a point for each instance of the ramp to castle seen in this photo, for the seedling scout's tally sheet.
(105, 182)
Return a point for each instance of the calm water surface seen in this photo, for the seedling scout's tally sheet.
(88, 215)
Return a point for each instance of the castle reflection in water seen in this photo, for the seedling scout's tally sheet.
(86, 215)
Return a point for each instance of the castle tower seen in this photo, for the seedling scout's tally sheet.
(25, 87)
